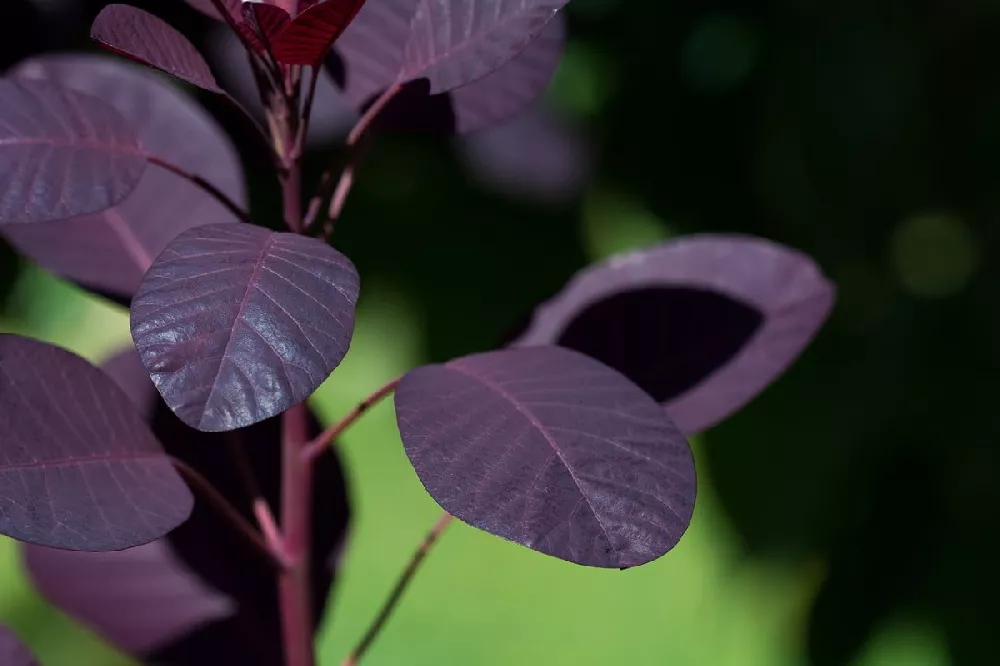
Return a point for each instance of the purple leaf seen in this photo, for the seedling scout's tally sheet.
(209, 605)
(109, 251)
(308, 38)
(62, 153)
(12, 651)
(454, 42)
(703, 323)
(137, 599)
(236, 323)
(208, 7)
(261, 23)
(371, 55)
(139, 35)
(78, 467)
(548, 448)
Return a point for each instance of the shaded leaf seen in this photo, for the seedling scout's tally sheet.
(139, 35)
(454, 42)
(12, 651)
(62, 153)
(208, 7)
(229, 576)
(78, 467)
(308, 38)
(109, 251)
(262, 22)
(703, 323)
(548, 448)
(237, 323)
(370, 55)
(136, 599)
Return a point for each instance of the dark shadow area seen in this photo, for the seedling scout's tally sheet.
(666, 340)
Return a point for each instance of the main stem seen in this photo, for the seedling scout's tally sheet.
(294, 594)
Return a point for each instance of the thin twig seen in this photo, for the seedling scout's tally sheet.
(227, 510)
(219, 195)
(300, 141)
(397, 592)
(327, 182)
(316, 447)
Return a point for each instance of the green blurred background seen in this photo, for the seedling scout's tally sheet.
(848, 515)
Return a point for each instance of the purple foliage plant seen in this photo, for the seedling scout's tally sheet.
(182, 500)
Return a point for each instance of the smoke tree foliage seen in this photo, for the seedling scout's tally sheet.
(182, 500)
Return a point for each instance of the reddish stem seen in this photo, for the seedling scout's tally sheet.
(318, 445)
(293, 583)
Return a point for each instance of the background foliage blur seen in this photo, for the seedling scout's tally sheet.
(849, 515)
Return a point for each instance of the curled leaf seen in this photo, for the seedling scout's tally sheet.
(307, 39)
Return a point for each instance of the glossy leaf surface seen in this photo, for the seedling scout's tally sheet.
(703, 323)
(109, 251)
(237, 323)
(551, 449)
(228, 615)
(145, 38)
(12, 651)
(62, 153)
(79, 469)
(307, 39)
(454, 42)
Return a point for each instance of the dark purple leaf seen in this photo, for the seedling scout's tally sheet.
(137, 599)
(78, 467)
(452, 44)
(139, 35)
(703, 323)
(208, 606)
(62, 153)
(208, 7)
(12, 651)
(109, 251)
(370, 53)
(534, 154)
(237, 323)
(551, 449)
(262, 22)
(308, 38)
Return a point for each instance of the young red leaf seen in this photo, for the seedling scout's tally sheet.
(261, 23)
(139, 35)
(62, 153)
(208, 7)
(109, 251)
(78, 467)
(137, 599)
(452, 44)
(308, 38)
(551, 449)
(181, 604)
(236, 323)
(12, 651)
(703, 323)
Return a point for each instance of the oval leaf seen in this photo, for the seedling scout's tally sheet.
(548, 448)
(78, 467)
(62, 153)
(308, 38)
(703, 323)
(454, 42)
(139, 35)
(111, 250)
(236, 323)
(137, 599)
(12, 651)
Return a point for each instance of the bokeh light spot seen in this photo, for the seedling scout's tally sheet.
(933, 255)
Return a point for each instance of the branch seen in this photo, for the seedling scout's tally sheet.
(397, 592)
(228, 512)
(300, 141)
(316, 447)
(347, 177)
(219, 195)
